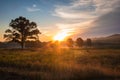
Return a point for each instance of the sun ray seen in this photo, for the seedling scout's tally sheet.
(60, 36)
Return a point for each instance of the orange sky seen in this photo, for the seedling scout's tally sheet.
(77, 18)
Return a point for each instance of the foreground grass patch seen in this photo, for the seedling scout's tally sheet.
(60, 64)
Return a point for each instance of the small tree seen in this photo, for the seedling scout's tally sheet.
(70, 42)
(89, 42)
(79, 42)
(21, 30)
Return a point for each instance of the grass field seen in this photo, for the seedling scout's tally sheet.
(60, 64)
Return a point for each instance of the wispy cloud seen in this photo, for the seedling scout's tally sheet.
(79, 15)
(33, 8)
(74, 28)
(85, 8)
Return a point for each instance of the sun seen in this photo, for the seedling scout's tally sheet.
(60, 36)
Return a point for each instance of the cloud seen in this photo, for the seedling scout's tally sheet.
(106, 24)
(78, 9)
(74, 28)
(89, 17)
(33, 8)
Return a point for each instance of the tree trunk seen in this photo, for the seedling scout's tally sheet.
(23, 42)
(22, 45)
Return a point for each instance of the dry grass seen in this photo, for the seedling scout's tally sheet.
(60, 64)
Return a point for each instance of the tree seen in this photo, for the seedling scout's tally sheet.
(89, 42)
(22, 30)
(79, 42)
(70, 42)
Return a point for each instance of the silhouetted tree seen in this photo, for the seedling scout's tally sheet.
(89, 42)
(70, 42)
(21, 30)
(79, 42)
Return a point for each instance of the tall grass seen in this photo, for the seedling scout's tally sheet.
(60, 64)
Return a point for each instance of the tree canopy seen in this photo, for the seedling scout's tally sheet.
(70, 42)
(89, 42)
(79, 42)
(21, 29)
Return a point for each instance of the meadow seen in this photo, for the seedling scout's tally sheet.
(60, 64)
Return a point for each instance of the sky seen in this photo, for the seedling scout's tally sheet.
(77, 18)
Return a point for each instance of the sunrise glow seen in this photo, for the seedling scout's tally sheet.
(60, 36)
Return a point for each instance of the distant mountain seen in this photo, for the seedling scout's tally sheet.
(115, 38)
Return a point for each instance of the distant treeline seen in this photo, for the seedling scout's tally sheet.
(78, 43)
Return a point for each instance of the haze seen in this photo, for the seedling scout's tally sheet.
(77, 18)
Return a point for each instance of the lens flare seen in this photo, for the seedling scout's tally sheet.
(61, 36)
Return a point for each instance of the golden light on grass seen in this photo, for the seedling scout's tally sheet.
(60, 36)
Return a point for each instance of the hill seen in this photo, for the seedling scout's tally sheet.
(115, 39)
